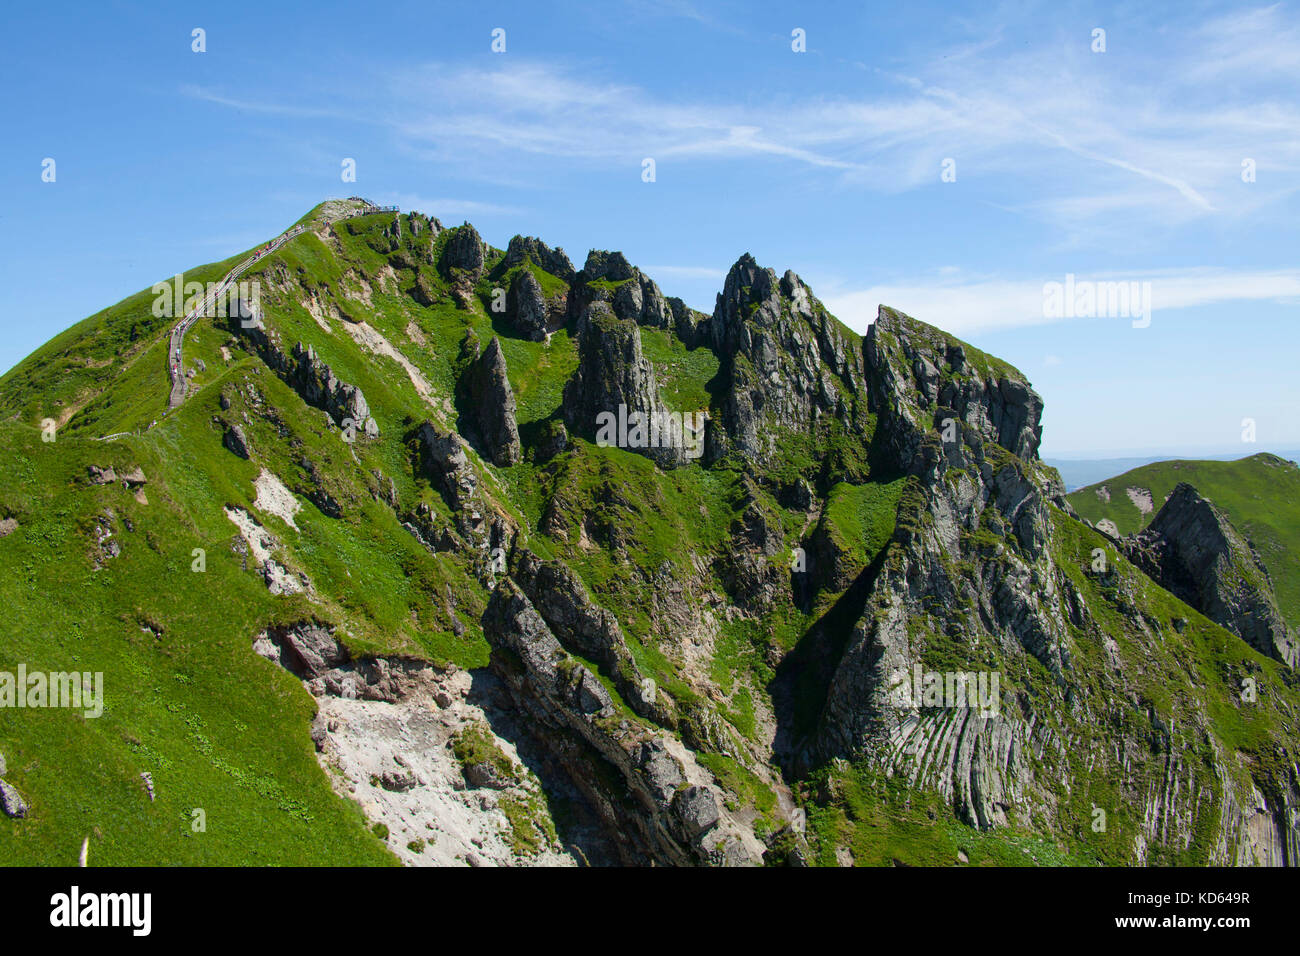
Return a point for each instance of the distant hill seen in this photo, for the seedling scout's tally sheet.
(1078, 472)
(1259, 494)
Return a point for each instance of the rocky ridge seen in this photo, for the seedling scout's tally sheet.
(1194, 552)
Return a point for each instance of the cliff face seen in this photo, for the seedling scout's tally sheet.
(984, 574)
(660, 802)
(984, 571)
(489, 395)
(615, 381)
(787, 366)
(922, 375)
(847, 607)
(969, 570)
(1194, 552)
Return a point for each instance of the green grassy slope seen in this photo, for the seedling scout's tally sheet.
(124, 346)
(219, 728)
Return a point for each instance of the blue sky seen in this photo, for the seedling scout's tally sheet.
(1125, 164)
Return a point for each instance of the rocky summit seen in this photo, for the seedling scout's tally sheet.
(459, 555)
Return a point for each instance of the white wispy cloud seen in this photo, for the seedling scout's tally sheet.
(1073, 138)
(244, 105)
(1259, 43)
(991, 304)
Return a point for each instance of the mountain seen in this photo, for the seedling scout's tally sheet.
(1079, 472)
(1260, 495)
(450, 554)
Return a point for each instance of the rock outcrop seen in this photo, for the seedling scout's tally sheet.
(463, 253)
(235, 441)
(527, 306)
(975, 578)
(1193, 551)
(555, 261)
(614, 378)
(479, 526)
(588, 630)
(310, 651)
(639, 790)
(492, 404)
(12, 803)
(424, 225)
(315, 382)
(920, 372)
(318, 385)
(445, 463)
(608, 277)
(788, 368)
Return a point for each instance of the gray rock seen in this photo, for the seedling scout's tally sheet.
(697, 809)
(1001, 408)
(554, 261)
(557, 691)
(315, 382)
(424, 291)
(307, 648)
(582, 626)
(606, 266)
(101, 476)
(1192, 550)
(463, 251)
(526, 306)
(319, 386)
(444, 462)
(319, 731)
(612, 372)
(515, 624)
(786, 364)
(327, 503)
(398, 781)
(493, 402)
(686, 322)
(11, 801)
(554, 440)
(662, 772)
(591, 695)
(631, 294)
(235, 441)
(485, 776)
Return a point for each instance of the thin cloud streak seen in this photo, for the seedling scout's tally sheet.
(1141, 135)
(992, 305)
